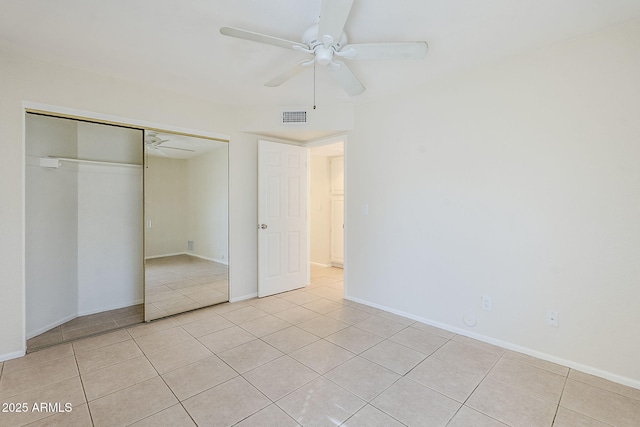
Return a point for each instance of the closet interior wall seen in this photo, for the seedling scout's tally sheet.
(84, 220)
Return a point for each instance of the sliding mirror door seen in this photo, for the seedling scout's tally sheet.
(186, 223)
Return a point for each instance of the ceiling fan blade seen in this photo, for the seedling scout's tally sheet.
(290, 73)
(176, 148)
(333, 16)
(409, 50)
(156, 150)
(260, 38)
(346, 78)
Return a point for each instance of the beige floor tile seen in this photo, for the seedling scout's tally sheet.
(370, 416)
(226, 339)
(271, 416)
(39, 357)
(466, 357)
(490, 348)
(538, 363)
(192, 316)
(467, 417)
(174, 416)
(116, 377)
(66, 391)
(330, 405)
(290, 339)
(53, 336)
(446, 378)
(322, 326)
(396, 357)
(134, 319)
(226, 404)
(228, 307)
(207, 326)
(328, 293)
(105, 356)
(280, 377)
(600, 404)
(433, 330)
(381, 326)
(540, 383)
(198, 377)
(323, 305)
(633, 393)
(363, 378)
(510, 405)
(23, 380)
(244, 315)
(177, 356)
(265, 325)
(272, 304)
(299, 297)
(162, 339)
(100, 341)
(89, 330)
(349, 315)
(568, 418)
(85, 321)
(422, 341)
(250, 355)
(322, 356)
(296, 315)
(132, 404)
(355, 340)
(78, 417)
(400, 319)
(151, 327)
(414, 404)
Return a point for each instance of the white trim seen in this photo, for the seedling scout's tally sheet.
(219, 261)
(509, 346)
(113, 307)
(127, 121)
(320, 265)
(51, 326)
(14, 355)
(166, 255)
(244, 297)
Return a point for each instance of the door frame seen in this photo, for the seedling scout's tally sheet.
(320, 143)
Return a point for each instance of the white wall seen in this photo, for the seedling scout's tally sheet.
(208, 206)
(320, 209)
(51, 235)
(110, 247)
(519, 181)
(166, 206)
(28, 79)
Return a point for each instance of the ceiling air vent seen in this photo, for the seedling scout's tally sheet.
(289, 117)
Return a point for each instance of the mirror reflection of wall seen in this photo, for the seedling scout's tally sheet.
(186, 223)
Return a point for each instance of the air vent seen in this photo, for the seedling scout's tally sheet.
(289, 117)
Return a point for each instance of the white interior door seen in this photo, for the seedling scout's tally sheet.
(282, 217)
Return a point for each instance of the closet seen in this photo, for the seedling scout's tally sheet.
(84, 228)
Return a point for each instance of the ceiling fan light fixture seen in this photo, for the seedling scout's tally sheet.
(324, 55)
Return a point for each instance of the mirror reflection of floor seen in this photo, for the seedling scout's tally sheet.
(85, 326)
(180, 283)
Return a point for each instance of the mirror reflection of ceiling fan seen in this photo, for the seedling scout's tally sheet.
(156, 145)
(326, 41)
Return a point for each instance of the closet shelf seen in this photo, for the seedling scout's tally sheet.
(45, 161)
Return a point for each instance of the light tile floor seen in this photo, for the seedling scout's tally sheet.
(308, 358)
(180, 283)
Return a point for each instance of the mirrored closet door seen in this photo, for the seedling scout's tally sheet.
(186, 223)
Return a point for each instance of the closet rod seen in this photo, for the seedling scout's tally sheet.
(95, 162)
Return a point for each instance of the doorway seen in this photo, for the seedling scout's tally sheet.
(326, 216)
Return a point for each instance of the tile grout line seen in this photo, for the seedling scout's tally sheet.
(84, 391)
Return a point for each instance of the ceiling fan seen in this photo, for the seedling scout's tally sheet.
(327, 42)
(153, 143)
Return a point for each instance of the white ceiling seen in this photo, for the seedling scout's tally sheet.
(176, 44)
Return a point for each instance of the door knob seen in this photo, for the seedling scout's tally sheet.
(263, 226)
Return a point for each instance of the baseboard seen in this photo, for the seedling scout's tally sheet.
(630, 382)
(13, 355)
(115, 307)
(50, 326)
(219, 261)
(243, 298)
(318, 264)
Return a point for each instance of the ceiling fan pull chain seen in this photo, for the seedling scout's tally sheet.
(314, 85)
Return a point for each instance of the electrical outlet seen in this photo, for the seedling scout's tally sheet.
(487, 303)
(552, 318)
